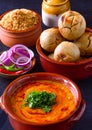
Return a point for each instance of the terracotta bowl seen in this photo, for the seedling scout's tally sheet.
(27, 37)
(13, 76)
(75, 70)
(65, 124)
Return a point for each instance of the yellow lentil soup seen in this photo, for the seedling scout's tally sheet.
(63, 107)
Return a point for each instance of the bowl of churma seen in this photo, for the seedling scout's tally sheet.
(20, 26)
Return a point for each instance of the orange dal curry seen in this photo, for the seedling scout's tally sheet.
(64, 105)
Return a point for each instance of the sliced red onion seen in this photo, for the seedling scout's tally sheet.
(22, 61)
(22, 51)
(31, 53)
(19, 51)
(26, 67)
(19, 55)
(4, 58)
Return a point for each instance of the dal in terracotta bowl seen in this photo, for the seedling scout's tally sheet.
(62, 114)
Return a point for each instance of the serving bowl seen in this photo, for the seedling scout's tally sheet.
(73, 70)
(27, 37)
(13, 75)
(16, 61)
(20, 83)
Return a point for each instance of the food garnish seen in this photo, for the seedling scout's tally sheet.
(41, 99)
(10, 67)
(2, 70)
(18, 57)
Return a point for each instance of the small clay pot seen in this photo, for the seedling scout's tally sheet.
(27, 37)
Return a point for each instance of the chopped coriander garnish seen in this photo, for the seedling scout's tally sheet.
(42, 99)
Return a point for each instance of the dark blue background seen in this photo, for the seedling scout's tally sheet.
(85, 8)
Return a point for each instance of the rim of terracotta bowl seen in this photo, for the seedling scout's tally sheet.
(41, 75)
(12, 76)
(21, 31)
(45, 57)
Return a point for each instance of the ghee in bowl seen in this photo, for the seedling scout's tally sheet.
(52, 10)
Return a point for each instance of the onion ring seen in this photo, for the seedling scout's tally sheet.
(19, 55)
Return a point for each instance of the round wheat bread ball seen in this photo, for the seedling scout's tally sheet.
(71, 25)
(66, 51)
(50, 38)
(85, 44)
